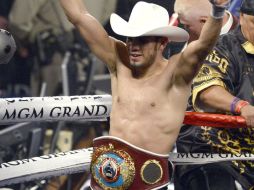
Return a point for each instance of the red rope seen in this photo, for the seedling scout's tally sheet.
(214, 120)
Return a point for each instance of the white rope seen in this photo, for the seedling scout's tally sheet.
(205, 158)
(68, 108)
(75, 161)
(45, 166)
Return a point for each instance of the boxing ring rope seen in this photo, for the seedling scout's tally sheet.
(91, 108)
(214, 120)
(76, 161)
(55, 108)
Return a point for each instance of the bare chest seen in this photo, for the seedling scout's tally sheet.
(140, 96)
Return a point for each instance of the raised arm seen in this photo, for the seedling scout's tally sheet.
(192, 57)
(91, 30)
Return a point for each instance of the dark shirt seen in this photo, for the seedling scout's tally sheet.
(5, 6)
(231, 66)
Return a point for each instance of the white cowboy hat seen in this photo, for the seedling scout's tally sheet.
(147, 19)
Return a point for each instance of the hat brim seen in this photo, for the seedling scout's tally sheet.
(123, 28)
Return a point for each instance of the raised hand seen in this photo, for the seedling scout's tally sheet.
(219, 7)
(248, 113)
(220, 3)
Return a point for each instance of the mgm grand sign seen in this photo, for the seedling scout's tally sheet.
(55, 108)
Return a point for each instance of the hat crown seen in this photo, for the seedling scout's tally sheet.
(148, 15)
(147, 19)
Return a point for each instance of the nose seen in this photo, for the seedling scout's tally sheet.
(134, 45)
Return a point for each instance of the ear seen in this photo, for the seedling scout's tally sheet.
(241, 18)
(164, 42)
(203, 19)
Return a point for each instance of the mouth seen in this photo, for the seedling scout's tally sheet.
(135, 55)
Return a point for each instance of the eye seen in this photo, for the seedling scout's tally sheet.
(141, 40)
(144, 40)
(129, 39)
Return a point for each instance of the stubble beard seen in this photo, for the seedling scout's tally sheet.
(143, 64)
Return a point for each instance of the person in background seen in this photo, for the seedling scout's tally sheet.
(46, 34)
(223, 85)
(5, 6)
(193, 14)
(42, 32)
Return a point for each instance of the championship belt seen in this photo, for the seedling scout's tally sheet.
(119, 165)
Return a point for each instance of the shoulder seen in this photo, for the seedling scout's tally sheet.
(226, 51)
(120, 48)
(32, 5)
(230, 37)
(118, 43)
(119, 54)
(228, 42)
(174, 58)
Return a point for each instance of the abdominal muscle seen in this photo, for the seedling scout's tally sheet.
(153, 126)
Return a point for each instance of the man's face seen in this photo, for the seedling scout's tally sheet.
(247, 25)
(193, 25)
(142, 50)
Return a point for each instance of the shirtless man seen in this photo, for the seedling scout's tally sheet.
(146, 87)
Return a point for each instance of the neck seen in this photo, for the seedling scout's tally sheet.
(247, 35)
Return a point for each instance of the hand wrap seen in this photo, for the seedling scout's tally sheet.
(218, 10)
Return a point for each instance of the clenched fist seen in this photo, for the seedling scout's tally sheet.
(220, 3)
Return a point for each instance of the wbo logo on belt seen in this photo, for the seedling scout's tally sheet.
(112, 169)
(109, 167)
